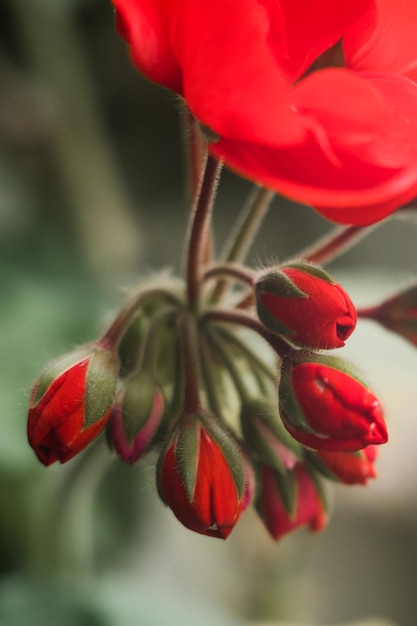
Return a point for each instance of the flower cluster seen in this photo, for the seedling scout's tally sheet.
(228, 428)
(225, 375)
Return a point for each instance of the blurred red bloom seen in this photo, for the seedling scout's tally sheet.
(302, 302)
(350, 468)
(309, 508)
(317, 99)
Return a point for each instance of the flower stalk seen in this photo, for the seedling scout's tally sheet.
(199, 229)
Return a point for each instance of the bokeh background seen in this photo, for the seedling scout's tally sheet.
(92, 197)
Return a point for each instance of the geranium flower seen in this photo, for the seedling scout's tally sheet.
(316, 99)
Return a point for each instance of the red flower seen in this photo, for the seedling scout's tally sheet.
(198, 484)
(350, 468)
(328, 409)
(71, 403)
(301, 301)
(309, 509)
(317, 100)
(136, 417)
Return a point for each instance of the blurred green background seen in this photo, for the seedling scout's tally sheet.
(92, 196)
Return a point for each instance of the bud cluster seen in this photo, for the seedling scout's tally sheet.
(229, 427)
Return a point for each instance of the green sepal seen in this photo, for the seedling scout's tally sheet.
(187, 452)
(56, 368)
(262, 427)
(289, 406)
(287, 486)
(278, 284)
(101, 384)
(320, 489)
(317, 465)
(313, 270)
(335, 362)
(228, 447)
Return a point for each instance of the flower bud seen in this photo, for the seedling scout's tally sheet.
(350, 468)
(307, 507)
(202, 478)
(303, 303)
(136, 416)
(398, 314)
(325, 406)
(71, 402)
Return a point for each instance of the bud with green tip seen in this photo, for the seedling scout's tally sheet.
(71, 402)
(303, 303)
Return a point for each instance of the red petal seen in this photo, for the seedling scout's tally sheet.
(392, 46)
(365, 185)
(313, 27)
(145, 26)
(233, 62)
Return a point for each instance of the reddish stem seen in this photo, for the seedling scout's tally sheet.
(199, 230)
(243, 319)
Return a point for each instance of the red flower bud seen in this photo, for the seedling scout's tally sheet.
(136, 417)
(71, 403)
(302, 302)
(203, 480)
(308, 508)
(398, 313)
(350, 468)
(326, 408)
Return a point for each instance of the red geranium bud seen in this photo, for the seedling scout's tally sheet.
(203, 480)
(302, 302)
(398, 313)
(136, 417)
(326, 407)
(71, 403)
(350, 468)
(308, 508)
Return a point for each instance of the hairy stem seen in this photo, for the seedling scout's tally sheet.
(199, 229)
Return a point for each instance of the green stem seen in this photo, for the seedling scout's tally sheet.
(116, 330)
(188, 333)
(158, 323)
(211, 385)
(230, 365)
(248, 354)
(199, 230)
(232, 270)
(246, 228)
(244, 232)
(333, 244)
